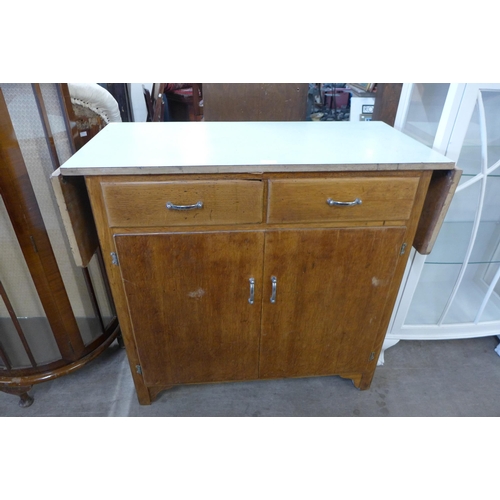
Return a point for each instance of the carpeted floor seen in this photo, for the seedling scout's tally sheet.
(456, 378)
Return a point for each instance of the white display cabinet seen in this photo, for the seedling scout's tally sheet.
(455, 291)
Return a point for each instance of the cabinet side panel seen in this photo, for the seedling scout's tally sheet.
(93, 184)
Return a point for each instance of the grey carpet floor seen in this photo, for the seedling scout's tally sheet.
(452, 378)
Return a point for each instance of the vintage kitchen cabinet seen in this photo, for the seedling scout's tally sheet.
(243, 251)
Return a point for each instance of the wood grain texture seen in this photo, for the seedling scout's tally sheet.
(255, 101)
(74, 206)
(69, 116)
(20, 200)
(305, 200)
(399, 270)
(387, 102)
(331, 294)
(134, 204)
(437, 202)
(113, 274)
(37, 91)
(181, 330)
(188, 298)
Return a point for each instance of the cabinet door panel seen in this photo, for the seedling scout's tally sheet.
(331, 291)
(188, 300)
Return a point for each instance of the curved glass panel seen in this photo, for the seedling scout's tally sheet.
(481, 281)
(23, 297)
(432, 293)
(455, 235)
(424, 111)
(491, 103)
(470, 154)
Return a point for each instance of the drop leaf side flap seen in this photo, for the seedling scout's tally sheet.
(439, 195)
(74, 205)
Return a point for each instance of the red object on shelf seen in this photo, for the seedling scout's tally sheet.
(341, 98)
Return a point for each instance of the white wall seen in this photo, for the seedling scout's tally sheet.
(137, 100)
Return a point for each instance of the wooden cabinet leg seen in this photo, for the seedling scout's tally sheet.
(25, 399)
(154, 391)
(366, 380)
(120, 341)
(361, 381)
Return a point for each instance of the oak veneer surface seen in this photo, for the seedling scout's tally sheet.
(334, 279)
(144, 203)
(188, 299)
(305, 200)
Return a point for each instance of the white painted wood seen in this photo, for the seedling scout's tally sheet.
(448, 117)
(476, 299)
(210, 147)
(403, 106)
(386, 345)
(487, 296)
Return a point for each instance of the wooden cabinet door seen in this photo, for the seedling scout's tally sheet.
(188, 297)
(331, 291)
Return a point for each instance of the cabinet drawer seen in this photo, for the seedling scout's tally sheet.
(143, 204)
(360, 199)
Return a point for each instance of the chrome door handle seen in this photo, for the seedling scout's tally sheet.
(274, 282)
(252, 290)
(334, 203)
(171, 206)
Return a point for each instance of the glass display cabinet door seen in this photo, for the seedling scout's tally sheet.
(423, 107)
(455, 291)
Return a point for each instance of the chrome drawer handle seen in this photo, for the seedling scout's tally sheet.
(252, 290)
(171, 206)
(274, 282)
(334, 203)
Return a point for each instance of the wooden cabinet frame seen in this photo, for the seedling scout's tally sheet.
(195, 218)
(141, 316)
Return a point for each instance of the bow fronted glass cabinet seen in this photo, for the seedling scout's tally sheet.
(454, 292)
(56, 311)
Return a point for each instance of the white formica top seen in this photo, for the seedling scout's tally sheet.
(220, 147)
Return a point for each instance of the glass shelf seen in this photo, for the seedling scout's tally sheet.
(453, 241)
(434, 289)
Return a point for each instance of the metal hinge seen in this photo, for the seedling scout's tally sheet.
(138, 369)
(372, 356)
(114, 259)
(403, 249)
